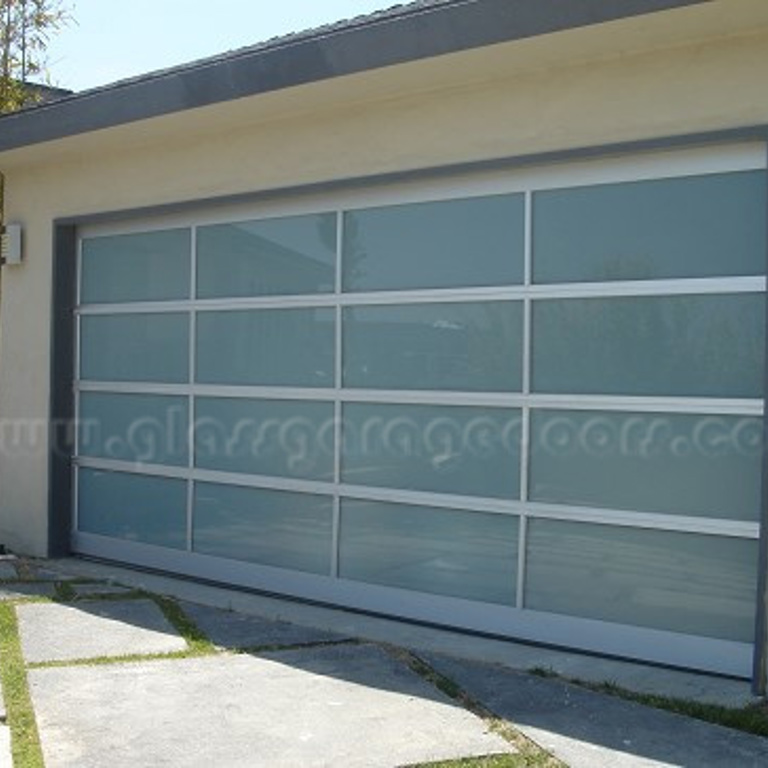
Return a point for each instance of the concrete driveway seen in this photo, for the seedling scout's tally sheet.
(122, 677)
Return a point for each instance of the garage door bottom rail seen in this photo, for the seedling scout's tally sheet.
(622, 641)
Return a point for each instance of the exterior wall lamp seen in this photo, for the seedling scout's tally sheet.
(11, 251)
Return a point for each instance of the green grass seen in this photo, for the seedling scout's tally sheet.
(105, 661)
(64, 593)
(199, 644)
(491, 761)
(752, 718)
(25, 740)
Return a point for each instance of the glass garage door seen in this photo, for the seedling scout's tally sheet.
(529, 404)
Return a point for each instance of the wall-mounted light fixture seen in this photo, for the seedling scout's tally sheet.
(11, 245)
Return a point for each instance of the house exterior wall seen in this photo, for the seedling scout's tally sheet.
(320, 133)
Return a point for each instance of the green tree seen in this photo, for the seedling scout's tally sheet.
(26, 27)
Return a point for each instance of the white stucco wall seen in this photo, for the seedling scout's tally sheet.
(567, 91)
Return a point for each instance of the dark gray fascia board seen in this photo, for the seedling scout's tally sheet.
(416, 31)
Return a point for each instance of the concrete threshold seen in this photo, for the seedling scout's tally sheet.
(634, 676)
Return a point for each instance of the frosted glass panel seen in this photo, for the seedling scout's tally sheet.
(291, 255)
(148, 266)
(151, 429)
(462, 450)
(707, 346)
(681, 582)
(287, 438)
(707, 466)
(699, 226)
(153, 347)
(459, 346)
(150, 510)
(284, 530)
(455, 243)
(267, 347)
(472, 555)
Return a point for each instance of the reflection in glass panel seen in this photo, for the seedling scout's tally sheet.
(470, 346)
(680, 582)
(688, 346)
(290, 255)
(266, 347)
(151, 347)
(453, 243)
(683, 464)
(286, 438)
(461, 450)
(284, 530)
(151, 429)
(147, 266)
(150, 510)
(698, 226)
(471, 555)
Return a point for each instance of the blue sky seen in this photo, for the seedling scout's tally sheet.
(112, 39)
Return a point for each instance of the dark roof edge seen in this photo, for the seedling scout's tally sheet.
(416, 31)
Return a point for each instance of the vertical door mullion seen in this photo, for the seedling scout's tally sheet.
(525, 413)
(337, 411)
(191, 396)
(76, 383)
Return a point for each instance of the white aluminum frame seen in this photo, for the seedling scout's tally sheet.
(650, 166)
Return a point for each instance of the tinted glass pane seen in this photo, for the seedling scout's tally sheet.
(149, 266)
(708, 346)
(467, 451)
(135, 348)
(699, 226)
(286, 347)
(472, 555)
(290, 255)
(145, 428)
(288, 438)
(468, 346)
(284, 530)
(649, 462)
(150, 510)
(456, 243)
(681, 582)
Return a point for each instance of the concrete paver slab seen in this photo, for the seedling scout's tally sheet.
(591, 730)
(90, 590)
(228, 629)
(6, 758)
(45, 574)
(54, 632)
(21, 590)
(336, 706)
(7, 570)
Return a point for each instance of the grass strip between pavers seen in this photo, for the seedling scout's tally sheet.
(25, 739)
(528, 755)
(752, 718)
(488, 761)
(106, 661)
(198, 642)
(65, 592)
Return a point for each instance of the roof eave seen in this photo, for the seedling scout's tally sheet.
(418, 32)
